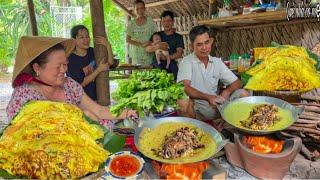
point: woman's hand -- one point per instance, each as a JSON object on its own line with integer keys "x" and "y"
{"x": 145, "y": 44}
{"x": 128, "y": 113}
{"x": 163, "y": 45}
{"x": 102, "y": 41}
{"x": 103, "y": 65}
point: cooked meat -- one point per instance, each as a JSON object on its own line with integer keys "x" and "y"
{"x": 182, "y": 142}
{"x": 262, "y": 117}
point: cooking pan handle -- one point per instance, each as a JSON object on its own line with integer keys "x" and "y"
{"x": 239, "y": 94}
{"x": 223, "y": 143}
{"x": 300, "y": 110}
{"x": 220, "y": 107}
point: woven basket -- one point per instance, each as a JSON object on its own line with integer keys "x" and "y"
{"x": 289, "y": 96}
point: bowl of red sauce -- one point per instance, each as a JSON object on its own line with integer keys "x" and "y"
{"x": 124, "y": 165}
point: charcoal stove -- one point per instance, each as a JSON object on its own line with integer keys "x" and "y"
{"x": 265, "y": 166}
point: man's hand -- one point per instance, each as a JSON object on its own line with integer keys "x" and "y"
{"x": 225, "y": 94}
{"x": 214, "y": 100}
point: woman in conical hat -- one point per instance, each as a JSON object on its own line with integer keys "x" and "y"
{"x": 39, "y": 74}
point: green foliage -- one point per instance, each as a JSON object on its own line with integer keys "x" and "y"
{"x": 14, "y": 23}
{"x": 111, "y": 142}
{"x": 147, "y": 90}
{"x": 4, "y": 174}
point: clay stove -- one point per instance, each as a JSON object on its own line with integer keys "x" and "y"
{"x": 262, "y": 165}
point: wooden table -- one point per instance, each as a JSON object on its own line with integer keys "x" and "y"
{"x": 125, "y": 71}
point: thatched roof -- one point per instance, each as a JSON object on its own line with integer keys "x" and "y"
{"x": 179, "y": 7}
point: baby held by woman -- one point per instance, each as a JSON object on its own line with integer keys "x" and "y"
{"x": 156, "y": 39}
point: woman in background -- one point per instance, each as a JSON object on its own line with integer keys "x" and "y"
{"x": 139, "y": 31}
{"x": 82, "y": 67}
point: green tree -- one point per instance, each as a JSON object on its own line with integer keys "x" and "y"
{"x": 14, "y": 23}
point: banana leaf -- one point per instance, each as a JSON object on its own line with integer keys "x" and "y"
{"x": 244, "y": 78}
{"x": 315, "y": 57}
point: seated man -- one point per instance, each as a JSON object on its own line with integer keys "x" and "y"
{"x": 200, "y": 74}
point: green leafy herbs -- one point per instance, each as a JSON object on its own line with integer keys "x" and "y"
{"x": 147, "y": 91}
{"x": 110, "y": 141}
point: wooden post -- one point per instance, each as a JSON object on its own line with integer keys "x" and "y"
{"x": 32, "y": 17}
{"x": 100, "y": 52}
{"x": 127, "y": 58}
{"x": 213, "y": 9}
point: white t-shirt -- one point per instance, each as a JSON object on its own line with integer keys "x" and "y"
{"x": 204, "y": 79}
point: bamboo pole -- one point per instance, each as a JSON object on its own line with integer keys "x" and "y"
{"x": 100, "y": 52}
{"x": 32, "y": 17}
{"x": 128, "y": 11}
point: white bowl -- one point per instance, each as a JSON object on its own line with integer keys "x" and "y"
{"x": 112, "y": 175}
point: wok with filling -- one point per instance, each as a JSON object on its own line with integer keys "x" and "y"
{"x": 176, "y": 142}
{"x": 259, "y": 114}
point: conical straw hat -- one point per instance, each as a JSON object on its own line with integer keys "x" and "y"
{"x": 31, "y": 47}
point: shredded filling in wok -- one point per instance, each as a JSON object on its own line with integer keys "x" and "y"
{"x": 262, "y": 117}
{"x": 176, "y": 142}
{"x": 181, "y": 143}
{"x": 258, "y": 116}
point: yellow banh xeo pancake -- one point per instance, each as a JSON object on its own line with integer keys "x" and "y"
{"x": 154, "y": 138}
{"x": 50, "y": 140}
{"x": 240, "y": 111}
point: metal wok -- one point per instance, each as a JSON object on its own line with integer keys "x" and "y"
{"x": 260, "y": 100}
{"x": 203, "y": 126}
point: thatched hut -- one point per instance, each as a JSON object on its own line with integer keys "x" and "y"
{"x": 236, "y": 34}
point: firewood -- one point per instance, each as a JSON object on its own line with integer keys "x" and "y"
{"x": 305, "y": 130}
{"x": 286, "y": 134}
{"x": 309, "y": 140}
{"x": 303, "y": 116}
{"x": 306, "y": 121}
{"x": 305, "y": 104}
{"x": 301, "y": 134}
{"x": 315, "y": 137}
{"x": 312, "y": 145}
{"x": 306, "y": 153}
{"x": 313, "y": 114}
{"x": 311, "y": 125}
{"x": 312, "y": 108}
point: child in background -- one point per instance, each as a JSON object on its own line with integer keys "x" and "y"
{"x": 156, "y": 39}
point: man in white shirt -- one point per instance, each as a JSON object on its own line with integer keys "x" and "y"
{"x": 200, "y": 74}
